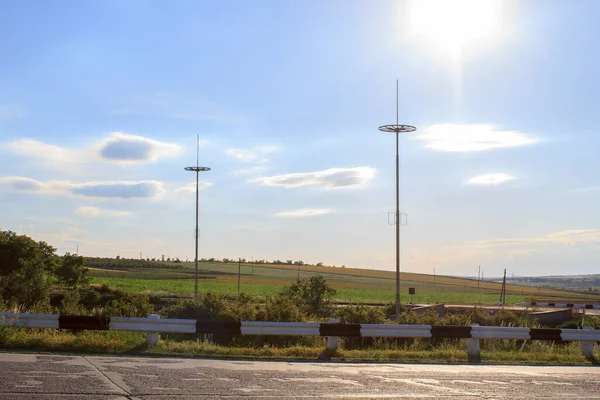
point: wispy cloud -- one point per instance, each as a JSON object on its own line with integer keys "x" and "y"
{"x": 254, "y": 154}
{"x": 191, "y": 187}
{"x": 490, "y": 179}
{"x": 92, "y": 212}
{"x": 334, "y": 178}
{"x": 10, "y": 111}
{"x": 259, "y": 169}
{"x": 103, "y": 190}
{"x": 306, "y": 212}
{"x": 124, "y": 148}
{"x": 588, "y": 189}
{"x": 475, "y": 137}
{"x": 566, "y": 237}
{"x": 44, "y": 151}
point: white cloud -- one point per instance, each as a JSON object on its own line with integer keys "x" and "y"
{"x": 43, "y": 151}
{"x": 334, "y": 178}
{"x": 118, "y": 189}
{"x": 490, "y": 179}
{"x": 475, "y": 137}
{"x": 124, "y": 148}
{"x": 91, "y": 212}
{"x": 304, "y": 212}
{"x": 22, "y": 184}
{"x": 106, "y": 189}
{"x": 254, "y": 154}
{"x": 118, "y": 148}
{"x": 191, "y": 187}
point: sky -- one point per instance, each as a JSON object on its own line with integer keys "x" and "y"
{"x": 101, "y": 104}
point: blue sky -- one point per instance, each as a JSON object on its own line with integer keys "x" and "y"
{"x": 101, "y": 102}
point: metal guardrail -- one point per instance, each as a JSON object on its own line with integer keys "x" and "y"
{"x": 395, "y": 330}
{"x": 499, "y": 332}
{"x": 280, "y": 328}
{"x": 29, "y": 320}
{"x": 588, "y": 306}
{"x": 153, "y": 325}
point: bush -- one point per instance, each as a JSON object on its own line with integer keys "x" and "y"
{"x": 72, "y": 271}
{"x": 360, "y": 315}
{"x": 280, "y": 309}
{"x": 70, "y": 304}
{"x": 312, "y": 295}
{"x": 129, "y": 305}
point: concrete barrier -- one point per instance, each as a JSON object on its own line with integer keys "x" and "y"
{"x": 440, "y": 309}
{"x": 553, "y": 317}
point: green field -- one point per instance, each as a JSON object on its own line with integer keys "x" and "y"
{"x": 355, "y": 295}
{"x": 352, "y": 284}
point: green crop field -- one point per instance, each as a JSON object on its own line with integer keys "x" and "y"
{"x": 354, "y": 295}
{"x": 352, "y": 284}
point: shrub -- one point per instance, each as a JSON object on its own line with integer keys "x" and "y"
{"x": 280, "y": 309}
{"x": 312, "y": 295}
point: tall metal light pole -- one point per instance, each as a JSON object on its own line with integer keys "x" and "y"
{"x": 197, "y": 169}
{"x": 397, "y": 129}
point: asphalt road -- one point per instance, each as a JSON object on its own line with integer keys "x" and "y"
{"x": 52, "y": 377}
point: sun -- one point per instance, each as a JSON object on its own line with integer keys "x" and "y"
{"x": 452, "y": 25}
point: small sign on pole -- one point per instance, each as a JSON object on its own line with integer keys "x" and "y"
{"x": 411, "y": 291}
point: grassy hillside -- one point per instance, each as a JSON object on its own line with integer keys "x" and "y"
{"x": 352, "y": 284}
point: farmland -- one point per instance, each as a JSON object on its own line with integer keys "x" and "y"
{"x": 352, "y": 284}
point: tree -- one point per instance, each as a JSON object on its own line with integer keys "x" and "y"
{"x": 312, "y": 295}
{"x": 319, "y": 264}
{"x": 72, "y": 270}
{"x": 26, "y": 268}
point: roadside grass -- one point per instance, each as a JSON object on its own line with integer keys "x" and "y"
{"x": 134, "y": 343}
{"x": 85, "y": 341}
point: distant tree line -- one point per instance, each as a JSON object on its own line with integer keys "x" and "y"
{"x": 134, "y": 263}
{"x": 119, "y": 262}
{"x": 259, "y": 261}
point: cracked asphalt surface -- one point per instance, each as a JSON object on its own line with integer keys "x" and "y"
{"x": 52, "y": 377}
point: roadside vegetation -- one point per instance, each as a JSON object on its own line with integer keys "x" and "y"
{"x": 34, "y": 279}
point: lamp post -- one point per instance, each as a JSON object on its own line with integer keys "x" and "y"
{"x": 197, "y": 169}
{"x": 397, "y": 129}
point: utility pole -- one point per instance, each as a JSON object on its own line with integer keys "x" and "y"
{"x": 197, "y": 169}
{"x": 478, "y": 277}
{"x": 239, "y": 273}
{"x": 503, "y": 290}
{"x": 397, "y": 129}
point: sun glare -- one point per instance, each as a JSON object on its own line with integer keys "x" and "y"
{"x": 453, "y": 25}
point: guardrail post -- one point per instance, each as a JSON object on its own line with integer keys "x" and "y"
{"x": 473, "y": 353}
{"x": 587, "y": 346}
{"x": 152, "y": 337}
{"x": 333, "y": 341}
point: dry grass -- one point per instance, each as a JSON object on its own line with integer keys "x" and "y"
{"x": 135, "y": 343}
